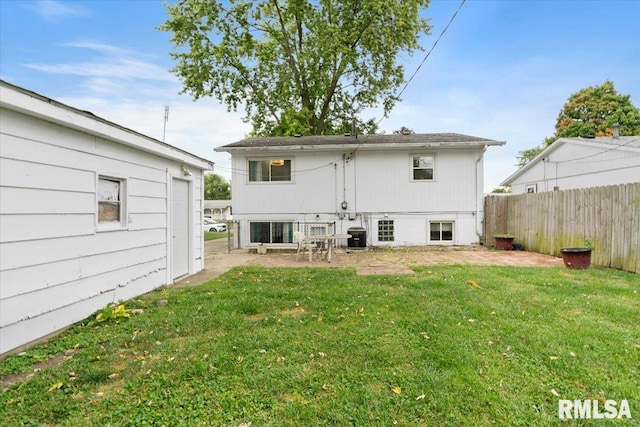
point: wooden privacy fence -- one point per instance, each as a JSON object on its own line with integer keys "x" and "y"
{"x": 608, "y": 218}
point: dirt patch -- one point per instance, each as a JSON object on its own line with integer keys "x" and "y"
{"x": 219, "y": 260}
{"x": 11, "y": 379}
{"x": 400, "y": 261}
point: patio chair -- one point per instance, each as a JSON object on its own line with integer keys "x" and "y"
{"x": 304, "y": 244}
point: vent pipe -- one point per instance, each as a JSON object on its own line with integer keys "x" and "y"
{"x": 616, "y": 130}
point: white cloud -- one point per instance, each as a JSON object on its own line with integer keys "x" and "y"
{"x": 53, "y": 11}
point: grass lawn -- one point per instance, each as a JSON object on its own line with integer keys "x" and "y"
{"x": 214, "y": 235}
{"x": 317, "y": 347}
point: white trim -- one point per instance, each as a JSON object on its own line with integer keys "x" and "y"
{"x": 412, "y": 168}
{"x": 123, "y": 225}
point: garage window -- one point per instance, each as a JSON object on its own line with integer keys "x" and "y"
{"x": 111, "y": 202}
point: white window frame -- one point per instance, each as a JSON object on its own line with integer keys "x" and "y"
{"x": 270, "y": 160}
{"x": 122, "y": 201}
{"x": 441, "y": 241}
{"x": 413, "y": 168}
{"x": 531, "y": 188}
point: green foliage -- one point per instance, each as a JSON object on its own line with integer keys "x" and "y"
{"x": 590, "y": 112}
{"x": 297, "y": 67}
{"x": 216, "y": 187}
{"x": 594, "y": 110}
{"x": 112, "y": 311}
{"x": 501, "y": 190}
{"x": 319, "y": 346}
{"x": 526, "y": 156}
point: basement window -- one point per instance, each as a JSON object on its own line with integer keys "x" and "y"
{"x": 111, "y": 202}
{"x": 271, "y": 232}
{"x": 441, "y": 231}
{"x": 385, "y": 230}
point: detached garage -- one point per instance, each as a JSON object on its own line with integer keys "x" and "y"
{"x": 90, "y": 213}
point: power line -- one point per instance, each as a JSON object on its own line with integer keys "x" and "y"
{"x": 453, "y": 17}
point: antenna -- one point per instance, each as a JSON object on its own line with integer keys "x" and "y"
{"x": 166, "y": 119}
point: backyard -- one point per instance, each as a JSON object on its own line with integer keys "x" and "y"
{"x": 447, "y": 345}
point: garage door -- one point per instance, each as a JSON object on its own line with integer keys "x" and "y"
{"x": 180, "y": 228}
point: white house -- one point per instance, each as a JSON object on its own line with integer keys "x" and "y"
{"x": 417, "y": 189}
{"x": 90, "y": 213}
{"x": 218, "y": 209}
{"x": 580, "y": 163}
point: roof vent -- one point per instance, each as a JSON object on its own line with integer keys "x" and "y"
{"x": 616, "y": 130}
{"x": 347, "y": 134}
{"x": 297, "y": 135}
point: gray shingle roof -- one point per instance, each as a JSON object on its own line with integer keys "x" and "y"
{"x": 318, "y": 141}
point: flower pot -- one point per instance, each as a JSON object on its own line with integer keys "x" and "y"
{"x": 576, "y": 257}
{"x": 504, "y": 243}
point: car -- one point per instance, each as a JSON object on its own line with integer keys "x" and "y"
{"x": 211, "y": 225}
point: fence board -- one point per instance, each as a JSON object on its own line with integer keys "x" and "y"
{"x": 608, "y": 217}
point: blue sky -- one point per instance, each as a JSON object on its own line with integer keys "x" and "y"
{"x": 502, "y": 71}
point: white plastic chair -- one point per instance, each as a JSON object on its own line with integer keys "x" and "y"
{"x": 304, "y": 244}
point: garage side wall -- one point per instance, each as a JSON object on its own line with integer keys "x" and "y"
{"x": 57, "y": 264}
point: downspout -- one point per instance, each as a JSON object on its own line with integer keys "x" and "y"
{"x": 479, "y": 191}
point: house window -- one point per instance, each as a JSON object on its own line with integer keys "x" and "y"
{"x": 271, "y": 232}
{"x": 269, "y": 170}
{"x": 441, "y": 231}
{"x": 385, "y": 230}
{"x": 111, "y": 202}
{"x": 422, "y": 167}
{"x": 532, "y": 188}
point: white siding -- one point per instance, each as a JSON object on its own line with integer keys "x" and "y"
{"x": 56, "y": 267}
{"x": 581, "y": 165}
{"x": 373, "y": 183}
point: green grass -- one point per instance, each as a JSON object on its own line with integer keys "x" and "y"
{"x": 317, "y": 347}
{"x": 214, "y": 235}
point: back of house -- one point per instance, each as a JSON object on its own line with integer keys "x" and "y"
{"x": 391, "y": 190}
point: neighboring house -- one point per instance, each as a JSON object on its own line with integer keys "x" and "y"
{"x": 401, "y": 189}
{"x": 580, "y": 163}
{"x": 90, "y": 213}
{"x": 218, "y": 209}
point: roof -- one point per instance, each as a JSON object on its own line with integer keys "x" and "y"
{"x": 221, "y": 204}
{"x": 605, "y": 144}
{"x": 330, "y": 142}
{"x": 32, "y": 104}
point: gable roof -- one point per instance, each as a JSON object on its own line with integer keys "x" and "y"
{"x": 32, "y": 104}
{"x": 604, "y": 144}
{"x": 341, "y": 142}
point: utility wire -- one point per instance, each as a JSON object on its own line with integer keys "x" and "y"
{"x": 453, "y": 17}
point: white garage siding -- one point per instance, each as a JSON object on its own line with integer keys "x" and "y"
{"x": 57, "y": 263}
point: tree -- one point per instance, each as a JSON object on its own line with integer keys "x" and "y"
{"x": 298, "y": 66}
{"x": 594, "y": 110}
{"x": 216, "y": 187}
{"x": 590, "y": 112}
{"x": 501, "y": 190}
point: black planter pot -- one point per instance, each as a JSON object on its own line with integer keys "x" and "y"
{"x": 578, "y": 258}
